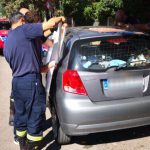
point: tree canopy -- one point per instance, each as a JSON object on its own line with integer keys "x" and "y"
{"x": 11, "y": 5}
{"x": 84, "y": 12}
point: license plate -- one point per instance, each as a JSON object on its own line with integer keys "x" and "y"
{"x": 105, "y": 84}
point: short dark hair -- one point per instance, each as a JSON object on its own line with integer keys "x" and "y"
{"x": 24, "y": 5}
{"x": 15, "y": 17}
{"x": 32, "y": 17}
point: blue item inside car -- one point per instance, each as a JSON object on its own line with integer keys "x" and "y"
{"x": 116, "y": 62}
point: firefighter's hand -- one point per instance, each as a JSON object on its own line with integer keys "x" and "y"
{"x": 47, "y": 67}
{"x": 53, "y": 22}
{"x": 52, "y": 64}
{"x": 57, "y": 20}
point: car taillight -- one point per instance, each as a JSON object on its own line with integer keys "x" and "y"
{"x": 72, "y": 83}
{"x": 1, "y": 44}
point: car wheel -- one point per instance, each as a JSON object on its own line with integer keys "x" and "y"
{"x": 59, "y": 136}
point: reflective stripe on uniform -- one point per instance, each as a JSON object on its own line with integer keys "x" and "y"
{"x": 21, "y": 133}
{"x": 34, "y": 138}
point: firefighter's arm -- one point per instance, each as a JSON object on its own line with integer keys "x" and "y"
{"x": 47, "y": 33}
{"x": 143, "y": 27}
{"x": 140, "y": 27}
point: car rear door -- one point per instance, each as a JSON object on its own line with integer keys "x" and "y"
{"x": 114, "y": 68}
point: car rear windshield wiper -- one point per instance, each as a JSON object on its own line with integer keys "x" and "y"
{"x": 137, "y": 63}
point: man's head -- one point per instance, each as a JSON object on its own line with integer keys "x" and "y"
{"x": 30, "y": 16}
{"x": 24, "y": 10}
{"x": 16, "y": 18}
{"x": 121, "y": 16}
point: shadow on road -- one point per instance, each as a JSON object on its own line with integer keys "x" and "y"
{"x": 113, "y": 136}
{"x": 47, "y": 124}
{"x": 48, "y": 139}
{"x": 98, "y": 138}
{"x": 53, "y": 146}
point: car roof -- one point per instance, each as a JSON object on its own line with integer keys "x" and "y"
{"x": 93, "y": 32}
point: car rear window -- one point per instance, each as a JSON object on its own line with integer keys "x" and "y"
{"x": 5, "y": 25}
{"x": 112, "y": 52}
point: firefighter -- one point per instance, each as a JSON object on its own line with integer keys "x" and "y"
{"x": 30, "y": 17}
{"x": 23, "y": 55}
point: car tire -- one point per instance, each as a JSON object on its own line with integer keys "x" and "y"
{"x": 59, "y": 136}
{"x": 62, "y": 138}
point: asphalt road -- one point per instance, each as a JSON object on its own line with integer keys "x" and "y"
{"x": 129, "y": 139}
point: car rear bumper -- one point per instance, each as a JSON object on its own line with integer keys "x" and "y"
{"x": 74, "y": 130}
{"x": 81, "y": 116}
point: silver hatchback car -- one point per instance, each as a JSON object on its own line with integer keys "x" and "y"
{"x": 101, "y": 83}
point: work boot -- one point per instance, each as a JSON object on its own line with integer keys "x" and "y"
{"x": 12, "y": 112}
{"x": 33, "y": 145}
{"x": 22, "y": 143}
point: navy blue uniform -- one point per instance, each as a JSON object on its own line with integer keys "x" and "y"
{"x": 23, "y": 52}
{"x": 21, "y": 49}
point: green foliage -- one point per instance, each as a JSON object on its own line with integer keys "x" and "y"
{"x": 89, "y": 15}
{"x": 75, "y": 9}
{"x": 2, "y": 10}
{"x": 102, "y": 9}
{"x": 12, "y": 5}
{"x": 106, "y": 8}
{"x": 85, "y": 12}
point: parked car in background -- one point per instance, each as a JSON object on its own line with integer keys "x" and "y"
{"x": 101, "y": 82}
{"x": 4, "y": 28}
